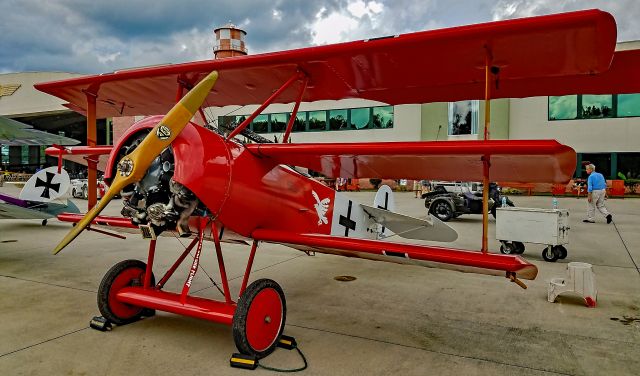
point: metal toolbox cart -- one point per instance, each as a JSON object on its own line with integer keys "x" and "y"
{"x": 515, "y": 226}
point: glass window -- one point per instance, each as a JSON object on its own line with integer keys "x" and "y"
{"x": 239, "y": 120}
{"x": 360, "y": 118}
{"x": 4, "y": 152}
{"x": 383, "y": 117}
{"x": 602, "y": 161}
{"x": 628, "y": 105}
{"x": 278, "y": 122}
{"x": 338, "y": 120}
{"x": 24, "y": 154}
{"x": 629, "y": 165}
{"x": 260, "y": 124}
{"x": 225, "y": 33}
{"x": 563, "y": 108}
{"x": 317, "y": 120}
{"x": 463, "y": 118}
{"x": 300, "y": 124}
{"x": 597, "y": 106}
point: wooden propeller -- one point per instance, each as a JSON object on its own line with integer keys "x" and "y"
{"x": 133, "y": 166}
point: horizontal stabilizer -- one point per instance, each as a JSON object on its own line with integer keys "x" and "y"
{"x": 412, "y": 228}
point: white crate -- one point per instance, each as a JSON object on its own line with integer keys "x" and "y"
{"x": 532, "y": 225}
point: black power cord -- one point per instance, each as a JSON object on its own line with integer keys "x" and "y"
{"x": 288, "y": 370}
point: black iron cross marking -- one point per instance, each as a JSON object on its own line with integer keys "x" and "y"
{"x": 47, "y": 185}
{"x": 347, "y": 222}
{"x": 386, "y": 205}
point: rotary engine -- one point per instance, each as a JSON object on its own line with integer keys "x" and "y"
{"x": 157, "y": 199}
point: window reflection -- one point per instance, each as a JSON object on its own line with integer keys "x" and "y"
{"x": 278, "y": 122}
{"x": 300, "y": 124}
{"x": 463, "y": 118}
{"x": 338, "y": 120}
{"x": 628, "y": 105}
{"x": 383, "y": 117}
{"x": 317, "y": 120}
{"x": 596, "y": 106}
{"x": 260, "y": 124}
{"x": 360, "y": 118}
{"x": 563, "y": 108}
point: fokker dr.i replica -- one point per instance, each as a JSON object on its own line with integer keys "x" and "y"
{"x": 179, "y": 176}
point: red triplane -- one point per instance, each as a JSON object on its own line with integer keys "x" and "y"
{"x": 206, "y": 182}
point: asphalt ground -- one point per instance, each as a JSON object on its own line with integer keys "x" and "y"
{"x": 393, "y": 319}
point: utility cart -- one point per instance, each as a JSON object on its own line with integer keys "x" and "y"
{"x": 516, "y": 226}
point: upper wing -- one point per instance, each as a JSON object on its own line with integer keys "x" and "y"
{"x": 428, "y": 66}
{"x": 511, "y": 160}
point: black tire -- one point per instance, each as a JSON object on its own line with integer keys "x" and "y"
{"x": 519, "y": 247}
{"x": 507, "y": 248}
{"x": 442, "y": 210}
{"x": 549, "y": 254}
{"x": 562, "y": 251}
{"x": 261, "y": 289}
{"x": 116, "y": 312}
{"x": 73, "y": 193}
{"x": 44, "y": 222}
{"x": 85, "y": 194}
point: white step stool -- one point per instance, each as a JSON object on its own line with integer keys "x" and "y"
{"x": 580, "y": 279}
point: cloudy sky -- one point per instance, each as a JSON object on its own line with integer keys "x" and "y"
{"x": 93, "y": 36}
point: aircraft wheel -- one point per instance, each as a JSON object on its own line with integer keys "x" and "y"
{"x": 44, "y": 222}
{"x": 85, "y": 194}
{"x": 123, "y": 274}
{"x": 550, "y": 254}
{"x": 259, "y": 318}
{"x": 73, "y": 192}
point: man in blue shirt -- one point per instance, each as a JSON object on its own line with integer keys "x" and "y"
{"x": 596, "y": 192}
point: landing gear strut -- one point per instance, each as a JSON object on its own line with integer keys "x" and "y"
{"x": 128, "y": 292}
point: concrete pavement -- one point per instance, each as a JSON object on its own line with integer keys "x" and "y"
{"x": 393, "y": 319}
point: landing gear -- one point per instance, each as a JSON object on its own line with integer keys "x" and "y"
{"x": 259, "y": 318}
{"x": 128, "y": 291}
{"x": 123, "y": 274}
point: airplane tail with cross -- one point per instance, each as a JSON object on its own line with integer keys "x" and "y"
{"x": 356, "y": 220}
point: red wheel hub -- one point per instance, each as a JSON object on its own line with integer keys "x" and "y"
{"x": 124, "y": 279}
{"x": 264, "y": 319}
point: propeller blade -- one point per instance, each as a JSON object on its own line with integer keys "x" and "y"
{"x": 133, "y": 166}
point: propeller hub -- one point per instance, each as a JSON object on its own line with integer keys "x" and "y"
{"x": 125, "y": 166}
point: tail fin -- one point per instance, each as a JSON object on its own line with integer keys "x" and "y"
{"x": 384, "y": 200}
{"x": 46, "y": 185}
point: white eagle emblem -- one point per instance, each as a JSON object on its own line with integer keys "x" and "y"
{"x": 322, "y": 206}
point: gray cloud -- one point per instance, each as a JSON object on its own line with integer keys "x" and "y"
{"x": 94, "y": 36}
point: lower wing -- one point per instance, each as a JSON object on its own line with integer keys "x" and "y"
{"x": 430, "y": 256}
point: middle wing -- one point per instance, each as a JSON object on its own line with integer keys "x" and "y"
{"x": 530, "y": 161}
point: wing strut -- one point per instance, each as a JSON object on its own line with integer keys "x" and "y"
{"x": 296, "y": 76}
{"x": 92, "y": 162}
{"x": 294, "y": 113}
{"x": 486, "y": 159}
